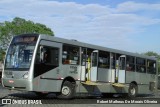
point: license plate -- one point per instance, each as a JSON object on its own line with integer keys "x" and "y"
{"x": 11, "y": 81}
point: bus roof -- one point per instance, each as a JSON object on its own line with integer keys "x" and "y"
{"x": 82, "y": 44}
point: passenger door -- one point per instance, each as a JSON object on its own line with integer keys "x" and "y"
{"x": 46, "y": 67}
{"x": 122, "y": 69}
{"x": 89, "y": 64}
{"x": 94, "y": 65}
{"x": 51, "y": 58}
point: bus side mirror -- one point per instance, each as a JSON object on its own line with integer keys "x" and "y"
{"x": 41, "y": 54}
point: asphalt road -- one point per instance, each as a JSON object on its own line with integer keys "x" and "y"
{"x": 28, "y": 99}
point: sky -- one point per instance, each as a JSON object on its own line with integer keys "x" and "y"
{"x": 129, "y": 25}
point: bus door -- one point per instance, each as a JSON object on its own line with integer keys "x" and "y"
{"x": 83, "y": 64}
{"x": 94, "y": 65}
{"x": 121, "y": 69}
{"x": 89, "y": 64}
{"x": 47, "y": 63}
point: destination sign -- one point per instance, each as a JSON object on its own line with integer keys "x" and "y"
{"x": 25, "y": 39}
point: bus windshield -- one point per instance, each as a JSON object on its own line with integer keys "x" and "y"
{"x": 20, "y": 53}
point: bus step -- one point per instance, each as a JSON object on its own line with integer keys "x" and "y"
{"x": 90, "y": 83}
{"x": 118, "y": 85}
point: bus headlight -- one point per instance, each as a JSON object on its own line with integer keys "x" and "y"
{"x": 25, "y": 76}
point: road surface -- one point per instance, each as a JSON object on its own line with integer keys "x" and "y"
{"x": 30, "y": 99}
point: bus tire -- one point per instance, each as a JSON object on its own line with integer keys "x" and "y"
{"x": 132, "y": 90}
{"x": 67, "y": 90}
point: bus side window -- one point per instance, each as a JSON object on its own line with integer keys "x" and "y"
{"x": 47, "y": 61}
{"x": 130, "y": 63}
{"x": 70, "y": 54}
{"x": 113, "y": 60}
{"x": 141, "y": 65}
{"x": 104, "y": 59}
{"x": 151, "y": 67}
{"x": 83, "y": 56}
{"x": 47, "y": 55}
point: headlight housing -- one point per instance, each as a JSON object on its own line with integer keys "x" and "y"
{"x": 25, "y": 76}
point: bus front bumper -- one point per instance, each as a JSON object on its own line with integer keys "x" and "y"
{"x": 17, "y": 84}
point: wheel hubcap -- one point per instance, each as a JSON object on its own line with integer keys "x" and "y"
{"x": 65, "y": 90}
{"x": 133, "y": 91}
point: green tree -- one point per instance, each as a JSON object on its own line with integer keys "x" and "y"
{"x": 16, "y": 27}
{"x": 151, "y": 53}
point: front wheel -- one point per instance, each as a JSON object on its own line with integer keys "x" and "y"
{"x": 133, "y": 90}
{"x": 67, "y": 90}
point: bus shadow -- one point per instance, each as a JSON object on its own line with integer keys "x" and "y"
{"x": 31, "y": 95}
{"x": 51, "y": 96}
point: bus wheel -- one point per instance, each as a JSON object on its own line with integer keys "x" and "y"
{"x": 133, "y": 90}
{"x": 67, "y": 90}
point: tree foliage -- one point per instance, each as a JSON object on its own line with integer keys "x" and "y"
{"x": 19, "y": 26}
{"x": 151, "y": 53}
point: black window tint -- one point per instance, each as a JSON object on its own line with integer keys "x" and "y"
{"x": 113, "y": 60}
{"x": 94, "y": 59}
{"x": 51, "y": 56}
{"x": 141, "y": 65}
{"x": 122, "y": 63}
{"x": 70, "y": 54}
{"x": 84, "y": 56}
{"x": 151, "y": 67}
{"x": 51, "y": 60}
{"x": 130, "y": 63}
{"x": 104, "y": 59}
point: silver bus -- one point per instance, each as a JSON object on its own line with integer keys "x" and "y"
{"x": 44, "y": 64}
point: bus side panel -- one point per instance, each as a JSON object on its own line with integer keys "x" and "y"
{"x": 48, "y": 81}
{"x": 151, "y": 77}
{"x": 130, "y": 76}
{"x": 46, "y": 85}
{"x": 153, "y": 82}
{"x": 144, "y": 81}
{"x": 141, "y": 78}
{"x": 104, "y": 75}
{"x": 73, "y": 71}
{"x": 143, "y": 89}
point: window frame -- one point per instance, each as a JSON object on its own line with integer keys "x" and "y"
{"x": 131, "y": 63}
{"x": 140, "y": 65}
{"x": 103, "y": 56}
{"x": 154, "y": 68}
{"x": 67, "y": 62}
{"x": 48, "y": 63}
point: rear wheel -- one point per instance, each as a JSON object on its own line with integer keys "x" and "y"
{"x": 133, "y": 90}
{"x": 67, "y": 90}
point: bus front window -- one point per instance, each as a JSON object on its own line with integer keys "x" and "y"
{"x": 19, "y": 56}
{"x": 20, "y": 52}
